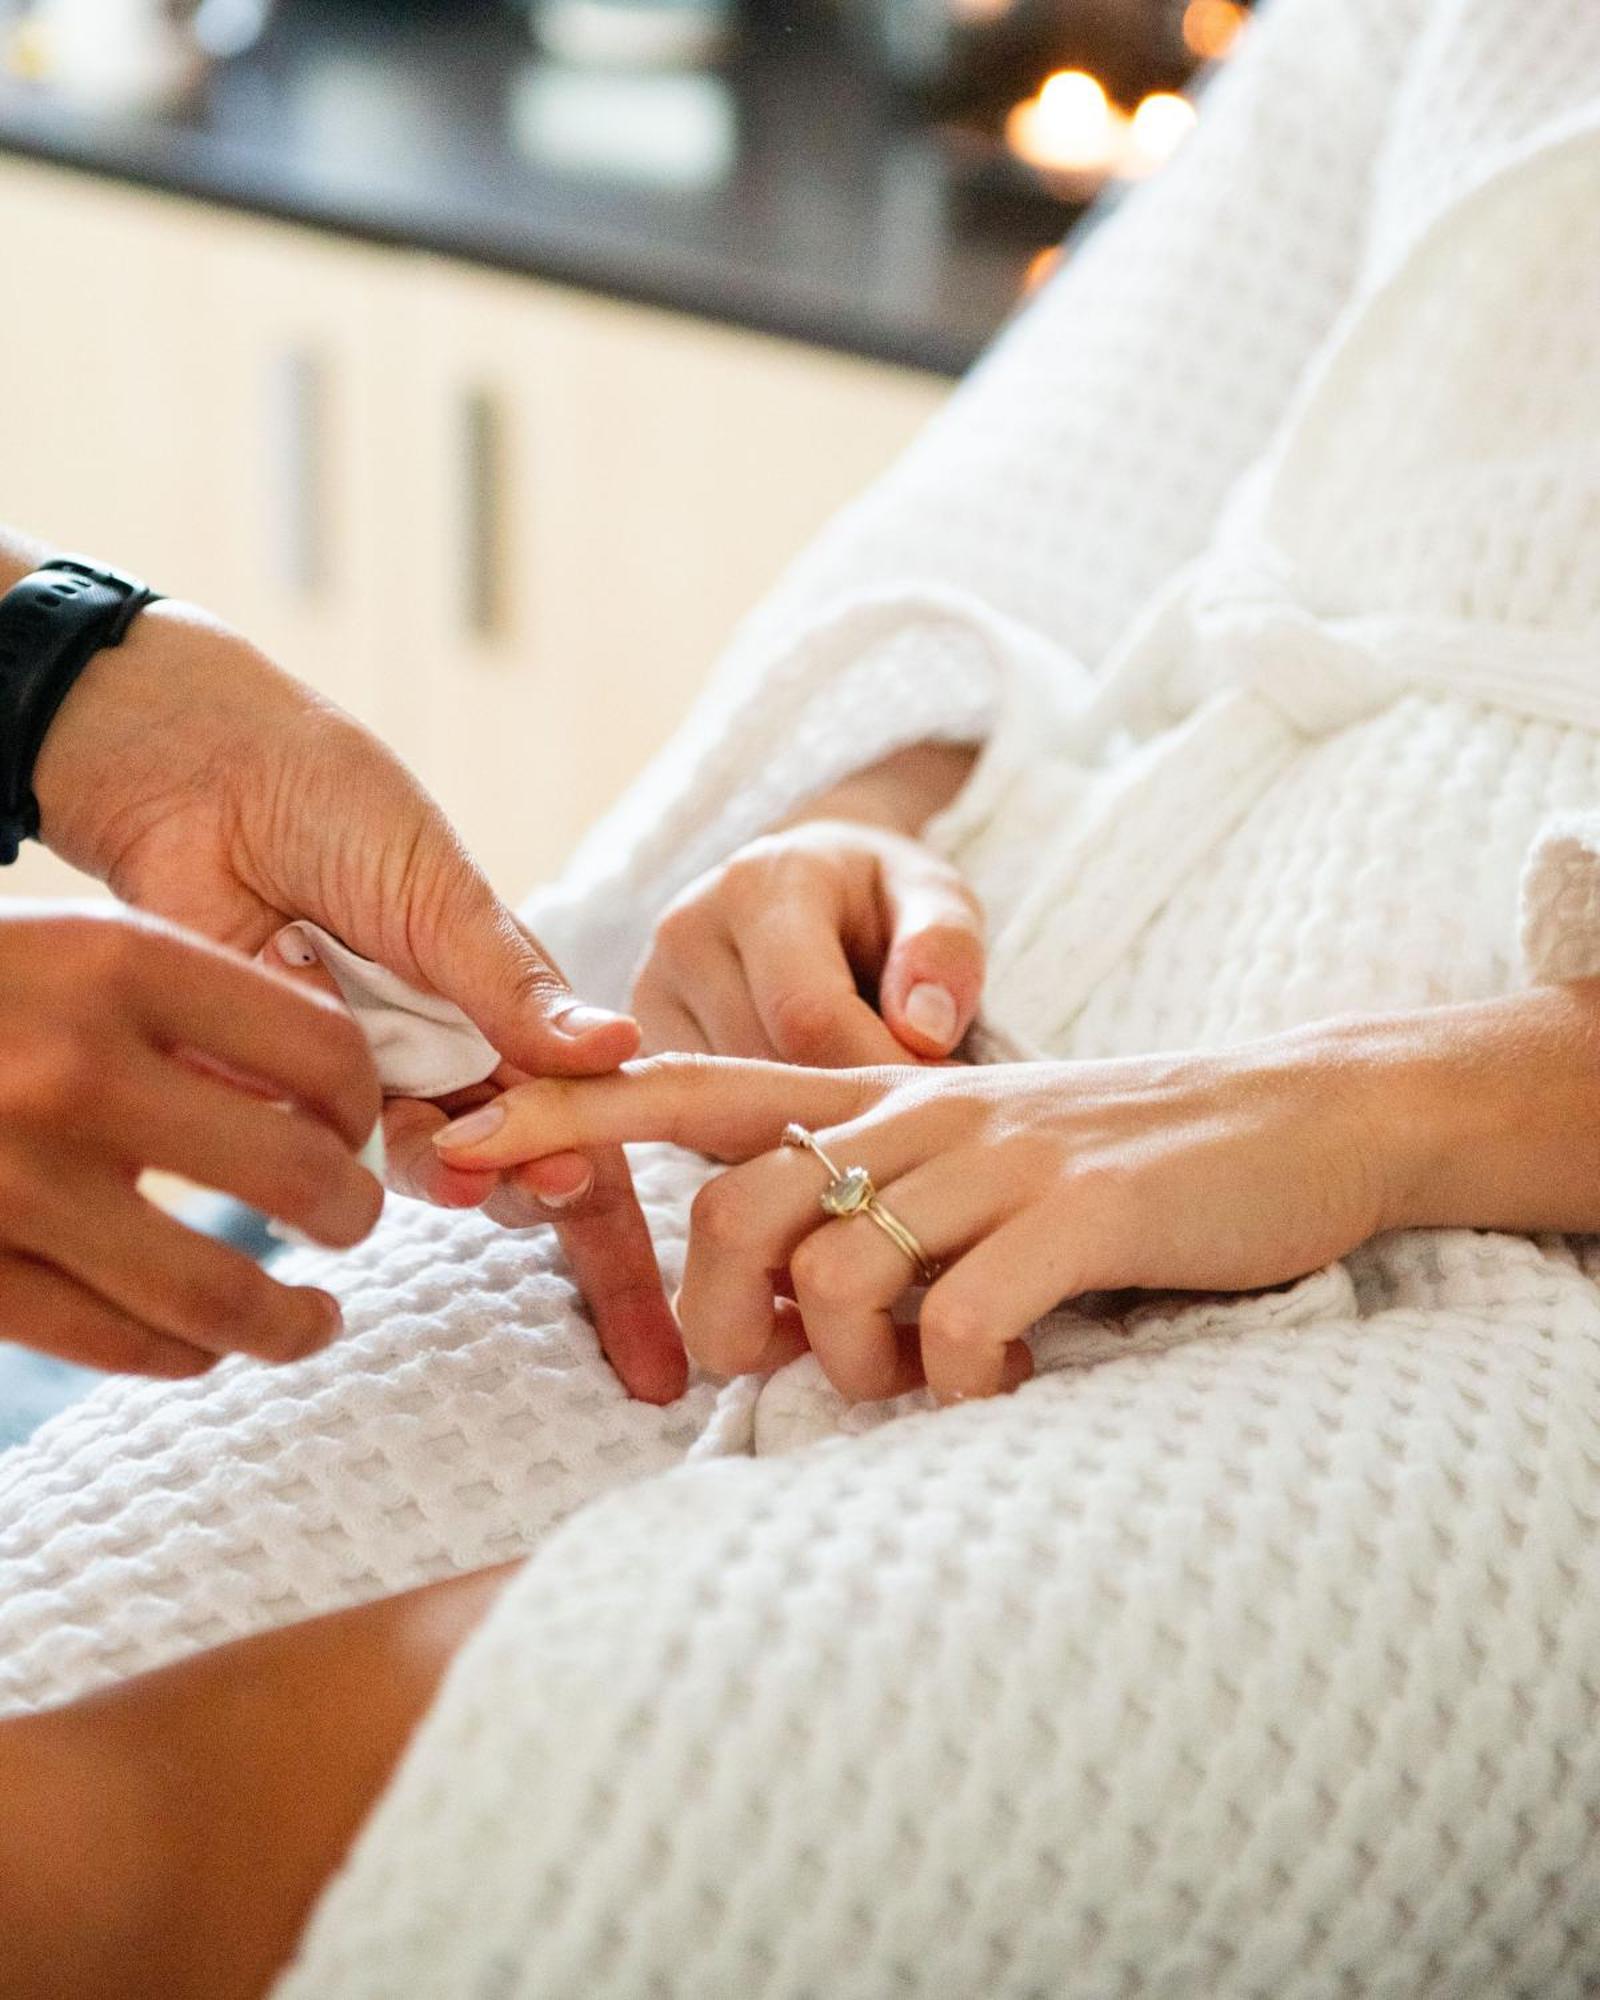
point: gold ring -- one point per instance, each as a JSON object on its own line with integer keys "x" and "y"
{"x": 850, "y": 1192}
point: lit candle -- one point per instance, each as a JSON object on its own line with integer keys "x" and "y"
{"x": 1155, "y": 132}
{"x": 1071, "y": 132}
{"x": 1074, "y": 136}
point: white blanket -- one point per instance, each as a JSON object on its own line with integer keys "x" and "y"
{"x": 1257, "y": 1654}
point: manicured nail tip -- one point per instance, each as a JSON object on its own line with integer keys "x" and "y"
{"x": 473, "y": 1129}
{"x": 579, "y": 1020}
{"x": 932, "y": 1012}
{"x": 568, "y": 1198}
{"x": 293, "y": 948}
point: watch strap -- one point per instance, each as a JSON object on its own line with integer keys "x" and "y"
{"x": 52, "y": 624}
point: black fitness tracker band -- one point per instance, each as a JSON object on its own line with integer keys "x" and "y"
{"x": 52, "y": 624}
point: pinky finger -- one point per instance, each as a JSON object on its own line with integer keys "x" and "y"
{"x": 975, "y": 1317}
{"x": 42, "y": 1308}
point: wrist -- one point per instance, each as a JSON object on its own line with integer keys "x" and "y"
{"x": 899, "y": 794}
{"x": 1484, "y": 1115}
{"x": 144, "y": 720}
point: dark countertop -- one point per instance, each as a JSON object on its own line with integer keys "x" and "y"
{"x": 782, "y": 193}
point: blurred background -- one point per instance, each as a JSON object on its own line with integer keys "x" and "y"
{"x": 486, "y": 359}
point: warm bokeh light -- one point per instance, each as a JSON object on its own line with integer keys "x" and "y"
{"x": 1042, "y": 265}
{"x": 1155, "y": 132}
{"x": 1071, "y": 127}
{"x": 1211, "y": 27}
{"x": 1074, "y": 135}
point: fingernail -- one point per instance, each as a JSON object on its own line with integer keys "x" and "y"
{"x": 293, "y": 948}
{"x": 932, "y": 1012}
{"x": 579, "y": 1020}
{"x": 567, "y": 1197}
{"x": 480, "y": 1124}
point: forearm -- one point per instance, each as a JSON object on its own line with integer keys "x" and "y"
{"x": 901, "y": 793}
{"x": 1483, "y": 1116}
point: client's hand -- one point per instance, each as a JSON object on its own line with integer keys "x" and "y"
{"x": 124, "y": 1045}
{"x": 770, "y": 953}
{"x": 206, "y": 785}
{"x": 1023, "y": 1184}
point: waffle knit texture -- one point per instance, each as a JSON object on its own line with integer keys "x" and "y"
{"x": 1254, "y": 1647}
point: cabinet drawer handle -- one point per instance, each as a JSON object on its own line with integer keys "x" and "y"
{"x": 483, "y": 573}
{"x": 297, "y": 406}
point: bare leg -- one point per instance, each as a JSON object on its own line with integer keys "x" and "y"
{"x": 170, "y": 1835}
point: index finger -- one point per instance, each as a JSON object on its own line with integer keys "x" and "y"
{"x": 804, "y": 990}
{"x": 718, "y": 1105}
{"x": 607, "y": 1243}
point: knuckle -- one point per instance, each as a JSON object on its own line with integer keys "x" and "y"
{"x": 804, "y": 1024}
{"x": 952, "y": 1322}
{"x": 219, "y": 1298}
{"x": 112, "y": 952}
{"x": 826, "y": 1273}
{"x": 535, "y": 985}
{"x": 59, "y": 1074}
{"x": 301, "y": 1181}
{"x": 682, "y": 926}
{"x": 950, "y": 943}
{"x": 722, "y": 1215}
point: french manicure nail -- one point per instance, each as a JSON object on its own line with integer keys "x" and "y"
{"x": 293, "y": 948}
{"x": 932, "y": 1012}
{"x": 480, "y": 1124}
{"x": 567, "y": 1197}
{"x": 579, "y": 1020}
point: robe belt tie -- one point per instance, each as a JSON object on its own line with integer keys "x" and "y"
{"x": 1222, "y": 686}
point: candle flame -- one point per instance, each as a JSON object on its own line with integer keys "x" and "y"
{"x": 1155, "y": 132}
{"x": 1073, "y": 132}
{"x": 1069, "y": 127}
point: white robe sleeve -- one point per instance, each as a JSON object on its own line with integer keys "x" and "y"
{"x": 1561, "y": 900}
{"x": 1082, "y": 463}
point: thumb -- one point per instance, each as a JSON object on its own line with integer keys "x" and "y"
{"x": 932, "y": 975}
{"x": 509, "y": 986}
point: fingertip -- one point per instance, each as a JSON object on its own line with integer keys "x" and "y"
{"x": 642, "y": 1342}
{"x": 594, "y": 1038}
{"x": 931, "y": 1017}
{"x": 561, "y": 1181}
{"x": 1017, "y": 1368}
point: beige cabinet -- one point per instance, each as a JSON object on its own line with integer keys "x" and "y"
{"x": 508, "y": 524}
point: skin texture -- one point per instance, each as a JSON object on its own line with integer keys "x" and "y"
{"x": 837, "y": 940}
{"x": 120, "y": 1043}
{"x": 211, "y": 789}
{"x": 1033, "y": 1183}
{"x": 169, "y": 1836}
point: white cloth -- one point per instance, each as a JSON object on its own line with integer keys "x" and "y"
{"x": 423, "y": 1045}
{"x": 1254, "y": 1655}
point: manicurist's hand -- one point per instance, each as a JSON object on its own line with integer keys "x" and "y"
{"x": 204, "y": 784}
{"x": 123, "y": 1045}
{"x": 1025, "y": 1184}
{"x": 837, "y": 940}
